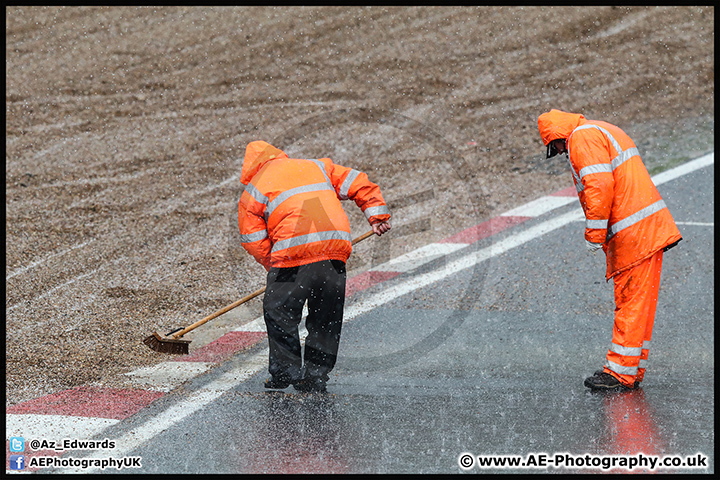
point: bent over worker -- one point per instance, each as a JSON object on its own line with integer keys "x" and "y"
{"x": 291, "y": 221}
{"x": 626, "y": 217}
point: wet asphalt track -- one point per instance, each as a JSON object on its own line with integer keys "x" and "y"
{"x": 488, "y": 362}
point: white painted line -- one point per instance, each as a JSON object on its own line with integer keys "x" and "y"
{"x": 684, "y": 169}
{"x": 179, "y": 411}
{"x": 547, "y": 203}
{"x": 536, "y": 207}
{"x": 468, "y": 261}
{"x": 539, "y": 206}
{"x": 54, "y": 427}
{"x": 257, "y": 325}
{"x": 418, "y": 257}
{"x": 697, "y": 224}
{"x": 168, "y": 375}
{"x": 234, "y": 377}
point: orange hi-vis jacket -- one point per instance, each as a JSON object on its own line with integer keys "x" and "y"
{"x": 623, "y": 209}
{"x": 290, "y": 212}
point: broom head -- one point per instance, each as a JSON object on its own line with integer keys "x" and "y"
{"x": 161, "y": 344}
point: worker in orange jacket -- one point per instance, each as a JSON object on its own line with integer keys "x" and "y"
{"x": 291, "y": 221}
{"x": 626, "y": 217}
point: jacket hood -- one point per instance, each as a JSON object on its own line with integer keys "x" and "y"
{"x": 257, "y": 154}
{"x": 557, "y": 124}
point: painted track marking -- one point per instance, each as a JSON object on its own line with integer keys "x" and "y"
{"x": 92, "y": 426}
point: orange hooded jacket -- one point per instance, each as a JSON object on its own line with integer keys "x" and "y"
{"x": 623, "y": 209}
{"x": 290, "y": 212}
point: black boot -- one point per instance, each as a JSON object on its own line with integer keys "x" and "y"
{"x": 602, "y": 381}
{"x": 277, "y": 383}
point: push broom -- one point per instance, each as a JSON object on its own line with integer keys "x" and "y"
{"x": 174, "y": 343}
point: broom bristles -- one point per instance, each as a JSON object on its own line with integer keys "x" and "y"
{"x": 167, "y": 345}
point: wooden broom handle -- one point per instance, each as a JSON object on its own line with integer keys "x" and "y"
{"x": 242, "y": 300}
{"x": 362, "y": 237}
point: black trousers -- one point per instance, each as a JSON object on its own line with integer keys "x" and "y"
{"x": 322, "y": 285}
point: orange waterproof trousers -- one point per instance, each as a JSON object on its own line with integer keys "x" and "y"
{"x": 636, "y": 294}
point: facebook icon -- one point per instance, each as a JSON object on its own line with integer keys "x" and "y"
{"x": 17, "y": 462}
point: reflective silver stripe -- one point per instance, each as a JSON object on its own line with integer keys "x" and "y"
{"x": 596, "y": 223}
{"x": 636, "y": 217}
{"x": 254, "y": 237}
{"x": 646, "y": 345}
{"x": 597, "y": 168}
{"x": 310, "y": 238}
{"x": 315, "y": 187}
{"x": 643, "y": 364}
{"x": 620, "y": 369}
{"x": 321, "y": 165}
{"x": 625, "y": 351}
{"x": 622, "y": 157}
{"x": 255, "y": 193}
{"x": 578, "y": 182}
{"x": 614, "y": 142}
{"x": 345, "y": 187}
{"x": 381, "y": 210}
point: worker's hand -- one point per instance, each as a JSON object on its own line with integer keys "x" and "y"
{"x": 382, "y": 227}
{"x": 593, "y": 247}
